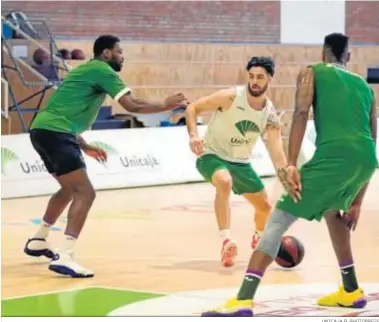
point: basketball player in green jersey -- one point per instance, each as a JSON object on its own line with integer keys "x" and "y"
{"x": 334, "y": 180}
{"x": 55, "y": 135}
{"x": 241, "y": 115}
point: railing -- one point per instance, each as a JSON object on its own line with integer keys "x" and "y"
{"x": 17, "y": 65}
{"x": 4, "y": 98}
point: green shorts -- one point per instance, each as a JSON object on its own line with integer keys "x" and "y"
{"x": 245, "y": 179}
{"x": 327, "y": 184}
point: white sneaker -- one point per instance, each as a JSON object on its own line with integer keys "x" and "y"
{"x": 37, "y": 247}
{"x": 64, "y": 264}
{"x": 229, "y": 253}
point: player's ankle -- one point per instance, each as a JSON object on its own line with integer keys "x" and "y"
{"x": 349, "y": 277}
{"x": 225, "y": 234}
{"x": 43, "y": 231}
{"x": 250, "y": 284}
{"x": 68, "y": 244}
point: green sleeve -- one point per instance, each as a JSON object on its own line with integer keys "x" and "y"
{"x": 109, "y": 81}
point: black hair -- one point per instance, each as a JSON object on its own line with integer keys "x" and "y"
{"x": 337, "y": 43}
{"x": 104, "y": 42}
{"x": 265, "y": 62}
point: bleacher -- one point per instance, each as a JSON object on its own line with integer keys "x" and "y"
{"x": 155, "y": 70}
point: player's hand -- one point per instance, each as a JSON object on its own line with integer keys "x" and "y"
{"x": 351, "y": 217}
{"x": 175, "y": 100}
{"x": 197, "y": 145}
{"x": 96, "y": 153}
{"x": 293, "y": 182}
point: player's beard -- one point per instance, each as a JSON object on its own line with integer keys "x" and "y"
{"x": 115, "y": 65}
{"x": 257, "y": 93}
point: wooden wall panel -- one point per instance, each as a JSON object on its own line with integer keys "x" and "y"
{"x": 155, "y": 70}
{"x": 223, "y": 52}
{"x": 208, "y": 74}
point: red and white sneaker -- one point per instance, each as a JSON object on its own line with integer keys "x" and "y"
{"x": 255, "y": 240}
{"x": 229, "y": 253}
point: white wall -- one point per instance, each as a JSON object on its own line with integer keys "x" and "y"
{"x": 307, "y": 22}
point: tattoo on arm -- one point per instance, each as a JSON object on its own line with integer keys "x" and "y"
{"x": 303, "y": 103}
{"x": 282, "y": 174}
{"x": 304, "y": 92}
{"x": 273, "y": 120}
{"x": 273, "y": 125}
{"x": 224, "y": 101}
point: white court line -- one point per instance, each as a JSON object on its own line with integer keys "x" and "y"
{"x": 45, "y": 293}
{"x": 83, "y": 288}
{"x": 130, "y": 290}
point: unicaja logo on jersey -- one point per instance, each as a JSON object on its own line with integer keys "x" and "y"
{"x": 247, "y": 126}
{"x": 106, "y": 147}
{"x": 7, "y": 155}
{"x": 244, "y": 127}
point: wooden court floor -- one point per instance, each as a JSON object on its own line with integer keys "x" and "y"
{"x": 164, "y": 239}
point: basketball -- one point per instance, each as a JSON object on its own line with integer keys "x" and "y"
{"x": 291, "y": 252}
{"x": 78, "y": 54}
{"x": 40, "y": 56}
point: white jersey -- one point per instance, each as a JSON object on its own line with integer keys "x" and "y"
{"x": 233, "y": 133}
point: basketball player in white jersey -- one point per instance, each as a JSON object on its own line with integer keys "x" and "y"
{"x": 241, "y": 115}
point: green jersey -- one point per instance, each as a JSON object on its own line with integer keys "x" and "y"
{"x": 75, "y": 104}
{"x": 342, "y": 106}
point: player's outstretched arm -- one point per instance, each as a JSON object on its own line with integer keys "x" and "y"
{"x": 274, "y": 142}
{"x": 110, "y": 83}
{"x": 303, "y": 103}
{"x": 142, "y": 106}
{"x": 220, "y": 100}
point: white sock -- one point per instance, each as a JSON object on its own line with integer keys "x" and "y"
{"x": 225, "y": 234}
{"x": 68, "y": 244}
{"x": 43, "y": 230}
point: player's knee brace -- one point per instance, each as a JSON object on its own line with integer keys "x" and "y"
{"x": 278, "y": 224}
